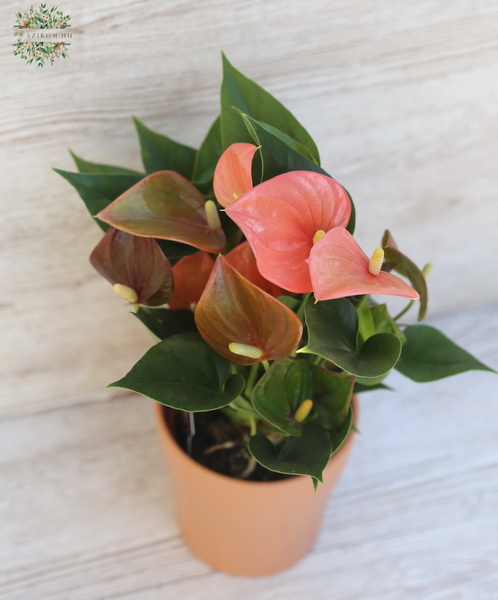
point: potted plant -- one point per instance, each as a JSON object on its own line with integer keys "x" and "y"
{"x": 240, "y": 258}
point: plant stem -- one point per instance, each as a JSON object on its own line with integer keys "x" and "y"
{"x": 251, "y": 379}
{"x": 405, "y": 310}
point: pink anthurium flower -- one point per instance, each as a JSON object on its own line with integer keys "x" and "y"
{"x": 339, "y": 268}
{"x": 242, "y": 258}
{"x": 190, "y": 274}
{"x": 232, "y": 176}
{"x": 283, "y": 218}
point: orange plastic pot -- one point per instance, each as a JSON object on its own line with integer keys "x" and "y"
{"x": 247, "y": 528}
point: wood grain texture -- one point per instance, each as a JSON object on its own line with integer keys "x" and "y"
{"x": 86, "y": 510}
{"x": 403, "y": 103}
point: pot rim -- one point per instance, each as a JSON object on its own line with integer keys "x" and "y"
{"x": 165, "y": 430}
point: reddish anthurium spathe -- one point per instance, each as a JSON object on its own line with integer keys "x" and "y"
{"x": 136, "y": 266}
{"x": 190, "y": 273}
{"x": 283, "y": 217}
{"x": 233, "y": 173}
{"x": 340, "y": 268}
{"x": 165, "y": 205}
{"x": 242, "y": 258}
{"x": 243, "y": 323}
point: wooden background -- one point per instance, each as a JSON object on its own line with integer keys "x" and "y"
{"x": 402, "y": 99}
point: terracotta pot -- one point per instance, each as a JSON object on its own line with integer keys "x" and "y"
{"x": 247, "y": 528}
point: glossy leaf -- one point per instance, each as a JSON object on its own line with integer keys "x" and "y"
{"x": 233, "y": 173}
{"x": 339, "y": 436}
{"x": 340, "y": 268}
{"x": 85, "y": 166}
{"x": 135, "y": 262}
{"x": 98, "y": 190}
{"x": 383, "y": 322}
{"x": 191, "y": 275}
{"x": 165, "y": 205}
{"x": 280, "y": 392}
{"x": 242, "y": 258}
{"x": 238, "y": 93}
{"x": 280, "y": 218}
{"x": 308, "y": 454}
{"x": 207, "y": 157}
{"x": 164, "y": 322}
{"x": 332, "y": 394}
{"x": 332, "y": 331}
{"x": 394, "y": 259}
{"x": 234, "y": 310}
{"x": 429, "y": 355}
{"x": 160, "y": 153}
{"x": 183, "y": 372}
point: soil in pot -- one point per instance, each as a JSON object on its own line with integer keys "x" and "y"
{"x": 220, "y": 445}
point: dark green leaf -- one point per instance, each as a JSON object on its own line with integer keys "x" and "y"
{"x": 333, "y": 329}
{"x": 429, "y": 355}
{"x": 161, "y": 153}
{"x": 331, "y": 397}
{"x": 84, "y": 166}
{"x": 305, "y": 455}
{"x": 98, "y": 190}
{"x": 183, "y": 372}
{"x": 280, "y": 392}
{"x": 207, "y": 158}
{"x": 339, "y": 436}
{"x": 240, "y": 93}
{"x": 163, "y": 322}
{"x": 173, "y": 251}
{"x": 383, "y": 322}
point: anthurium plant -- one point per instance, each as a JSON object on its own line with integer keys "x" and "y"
{"x": 240, "y": 258}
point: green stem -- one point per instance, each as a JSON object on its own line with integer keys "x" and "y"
{"x": 266, "y": 365}
{"x": 251, "y": 379}
{"x": 405, "y": 310}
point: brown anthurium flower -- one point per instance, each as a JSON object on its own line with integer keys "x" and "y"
{"x": 242, "y": 322}
{"x": 136, "y": 266}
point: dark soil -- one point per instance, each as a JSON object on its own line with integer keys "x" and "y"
{"x": 220, "y": 445}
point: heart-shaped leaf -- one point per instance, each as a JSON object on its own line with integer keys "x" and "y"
{"x": 429, "y": 355}
{"x": 305, "y": 455}
{"x": 333, "y": 331}
{"x": 160, "y": 153}
{"x": 137, "y": 263}
{"x": 280, "y": 392}
{"x": 98, "y": 190}
{"x": 232, "y": 310}
{"x": 164, "y": 322}
{"x": 238, "y": 93}
{"x": 332, "y": 394}
{"x": 183, "y": 372}
{"x": 165, "y": 205}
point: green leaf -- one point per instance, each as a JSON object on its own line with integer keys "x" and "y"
{"x": 331, "y": 397}
{"x": 173, "y": 251}
{"x": 98, "y": 190}
{"x": 278, "y": 152}
{"x": 305, "y": 455}
{"x": 339, "y": 436}
{"x": 164, "y": 322}
{"x": 183, "y": 372}
{"x": 161, "y": 153}
{"x": 85, "y": 166}
{"x": 280, "y": 392}
{"x": 207, "y": 157}
{"x": 429, "y": 355}
{"x": 384, "y": 323}
{"x": 333, "y": 330}
{"x": 239, "y": 92}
